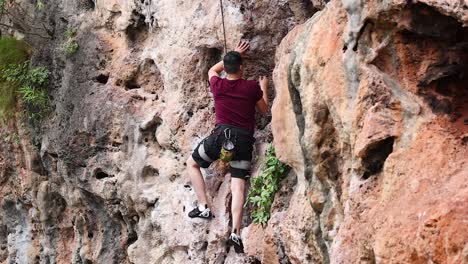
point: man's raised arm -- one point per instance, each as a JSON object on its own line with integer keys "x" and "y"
{"x": 216, "y": 70}
{"x": 262, "y": 104}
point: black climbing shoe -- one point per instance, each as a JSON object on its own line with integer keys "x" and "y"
{"x": 202, "y": 214}
{"x": 236, "y": 241}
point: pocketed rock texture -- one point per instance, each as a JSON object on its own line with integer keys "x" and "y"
{"x": 370, "y": 111}
{"x": 105, "y": 181}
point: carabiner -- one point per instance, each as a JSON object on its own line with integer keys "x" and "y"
{"x": 226, "y": 134}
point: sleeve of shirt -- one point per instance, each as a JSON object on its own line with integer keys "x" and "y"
{"x": 213, "y": 82}
{"x": 258, "y": 92}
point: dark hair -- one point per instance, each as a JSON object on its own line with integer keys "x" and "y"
{"x": 232, "y": 62}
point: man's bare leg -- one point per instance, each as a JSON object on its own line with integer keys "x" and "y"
{"x": 198, "y": 183}
{"x": 237, "y": 191}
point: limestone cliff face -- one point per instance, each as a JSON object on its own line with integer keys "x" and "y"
{"x": 375, "y": 107}
{"x": 107, "y": 183}
{"x": 370, "y": 109}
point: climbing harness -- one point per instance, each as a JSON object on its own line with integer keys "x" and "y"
{"x": 202, "y": 153}
{"x": 224, "y": 28}
{"x": 227, "y": 151}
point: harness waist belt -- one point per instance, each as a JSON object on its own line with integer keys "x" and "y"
{"x": 237, "y": 130}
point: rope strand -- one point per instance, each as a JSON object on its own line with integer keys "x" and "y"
{"x": 224, "y": 28}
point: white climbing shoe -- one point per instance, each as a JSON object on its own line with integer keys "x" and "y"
{"x": 236, "y": 241}
{"x": 206, "y": 213}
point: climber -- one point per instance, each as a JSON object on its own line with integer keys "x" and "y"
{"x": 235, "y": 101}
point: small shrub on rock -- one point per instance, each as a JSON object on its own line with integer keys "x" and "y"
{"x": 12, "y": 52}
{"x": 31, "y": 82}
{"x": 70, "y": 46}
{"x": 264, "y": 186}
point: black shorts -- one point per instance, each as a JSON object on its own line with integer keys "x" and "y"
{"x": 209, "y": 150}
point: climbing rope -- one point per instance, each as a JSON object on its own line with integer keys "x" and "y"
{"x": 224, "y": 28}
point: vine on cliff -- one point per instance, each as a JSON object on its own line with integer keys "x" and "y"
{"x": 264, "y": 186}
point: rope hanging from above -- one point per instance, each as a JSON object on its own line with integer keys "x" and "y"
{"x": 224, "y": 28}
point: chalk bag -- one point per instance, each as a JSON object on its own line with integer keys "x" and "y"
{"x": 227, "y": 151}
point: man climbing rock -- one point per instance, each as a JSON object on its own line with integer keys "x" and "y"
{"x": 232, "y": 138}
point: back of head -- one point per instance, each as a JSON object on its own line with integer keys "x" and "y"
{"x": 232, "y": 62}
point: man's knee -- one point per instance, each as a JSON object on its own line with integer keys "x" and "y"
{"x": 191, "y": 163}
{"x": 237, "y": 185}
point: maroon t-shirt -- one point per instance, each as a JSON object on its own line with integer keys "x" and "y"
{"x": 235, "y": 101}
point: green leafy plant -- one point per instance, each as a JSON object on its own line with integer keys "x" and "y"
{"x": 264, "y": 186}
{"x": 31, "y": 82}
{"x": 69, "y": 33}
{"x": 38, "y": 76}
{"x": 40, "y": 5}
{"x": 12, "y": 52}
{"x": 2, "y": 6}
{"x": 70, "y": 46}
{"x": 11, "y": 138}
{"x": 34, "y": 96}
{"x": 33, "y": 93}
